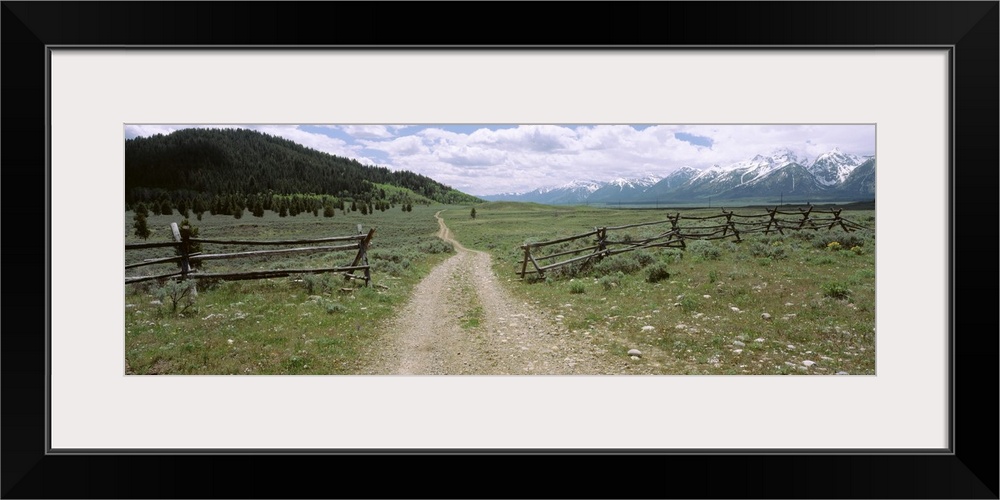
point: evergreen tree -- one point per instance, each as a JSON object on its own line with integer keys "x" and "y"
{"x": 364, "y": 209}
{"x": 165, "y": 208}
{"x": 354, "y": 206}
{"x": 198, "y": 206}
{"x": 328, "y": 210}
{"x": 473, "y": 213}
{"x": 141, "y": 228}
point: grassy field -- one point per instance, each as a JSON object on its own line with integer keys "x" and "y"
{"x": 803, "y": 302}
{"x": 817, "y": 297}
{"x": 302, "y": 324}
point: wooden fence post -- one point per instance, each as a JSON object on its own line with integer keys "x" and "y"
{"x": 524, "y": 265}
{"x": 838, "y": 220}
{"x": 730, "y": 226}
{"x": 777, "y": 224}
{"x": 805, "y": 218}
{"x": 183, "y": 236}
{"x": 185, "y": 249}
{"x": 362, "y": 256}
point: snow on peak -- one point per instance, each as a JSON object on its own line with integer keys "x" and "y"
{"x": 838, "y": 156}
{"x": 579, "y": 184}
{"x": 632, "y": 182}
{"x": 833, "y": 167}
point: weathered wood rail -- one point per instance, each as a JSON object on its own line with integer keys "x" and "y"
{"x": 712, "y": 227}
{"x": 183, "y": 242}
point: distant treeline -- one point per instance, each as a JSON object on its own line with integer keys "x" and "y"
{"x": 218, "y": 168}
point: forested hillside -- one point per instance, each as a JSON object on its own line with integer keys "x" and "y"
{"x": 223, "y": 168}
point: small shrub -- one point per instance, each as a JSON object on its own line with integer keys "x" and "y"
{"x": 713, "y": 276}
{"x": 567, "y": 271}
{"x": 179, "y": 293}
{"x": 398, "y": 256}
{"x": 671, "y": 256}
{"x": 689, "y": 303}
{"x": 833, "y": 246}
{"x": 844, "y": 240}
{"x": 210, "y": 283}
{"x": 436, "y": 246}
{"x": 611, "y": 281}
{"x": 657, "y": 273}
{"x": 626, "y": 263}
{"x": 576, "y": 287}
{"x": 821, "y": 260}
{"x": 857, "y": 250}
{"x": 774, "y": 251}
{"x": 335, "y": 307}
{"x": 836, "y": 290}
{"x": 317, "y": 283}
{"x": 644, "y": 258}
{"x": 141, "y": 287}
{"x": 704, "y": 249}
{"x": 393, "y": 268}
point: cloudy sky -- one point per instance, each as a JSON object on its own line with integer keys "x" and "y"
{"x": 491, "y": 159}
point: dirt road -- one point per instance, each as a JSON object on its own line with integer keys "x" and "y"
{"x": 461, "y": 321}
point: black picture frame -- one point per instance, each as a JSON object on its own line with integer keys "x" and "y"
{"x": 970, "y": 470}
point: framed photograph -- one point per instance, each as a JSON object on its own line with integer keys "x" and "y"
{"x": 922, "y": 76}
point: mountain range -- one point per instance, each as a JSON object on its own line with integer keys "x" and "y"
{"x": 781, "y": 175}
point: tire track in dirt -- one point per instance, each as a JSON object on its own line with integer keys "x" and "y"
{"x": 460, "y": 320}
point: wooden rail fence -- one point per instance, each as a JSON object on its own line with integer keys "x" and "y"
{"x": 713, "y": 227}
{"x": 183, "y": 242}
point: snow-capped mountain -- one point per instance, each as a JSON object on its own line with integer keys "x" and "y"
{"x": 834, "y": 167}
{"x": 861, "y": 180}
{"x": 623, "y": 189}
{"x": 754, "y": 169}
{"x": 781, "y": 175}
{"x": 577, "y": 191}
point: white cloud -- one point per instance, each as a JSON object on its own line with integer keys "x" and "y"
{"x": 523, "y": 158}
{"x": 133, "y": 131}
{"x": 368, "y": 131}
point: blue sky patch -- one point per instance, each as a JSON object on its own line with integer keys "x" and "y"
{"x": 697, "y": 140}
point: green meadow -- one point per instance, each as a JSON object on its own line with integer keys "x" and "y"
{"x": 301, "y": 324}
{"x": 802, "y": 302}
{"x": 798, "y": 303}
